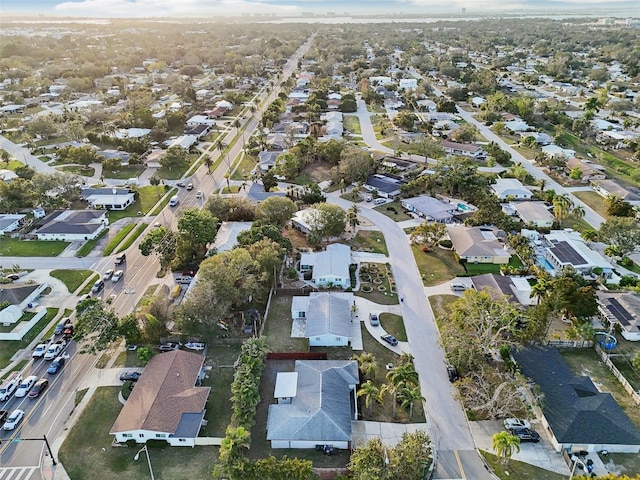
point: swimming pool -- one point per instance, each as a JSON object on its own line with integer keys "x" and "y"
{"x": 546, "y": 264}
{"x": 462, "y": 206}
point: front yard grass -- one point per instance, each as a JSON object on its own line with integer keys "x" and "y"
{"x": 436, "y": 266}
{"x": 86, "y": 249}
{"x": 515, "y": 469}
{"x": 441, "y": 305}
{"x": 89, "y": 443}
{"x": 150, "y": 195}
{"x": 595, "y": 201}
{"x": 369, "y": 241}
{"x": 125, "y": 172}
{"x": 585, "y": 361}
{"x": 71, "y": 278}
{"x": 118, "y": 237}
{"x": 352, "y": 124}
{"x": 394, "y": 211}
{"x": 9, "y": 348}
{"x": 393, "y": 324}
{"x": 243, "y": 170}
{"x": 14, "y": 247}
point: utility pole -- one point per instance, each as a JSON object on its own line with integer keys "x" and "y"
{"x": 44, "y": 437}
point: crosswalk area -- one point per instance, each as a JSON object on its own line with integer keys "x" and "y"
{"x": 18, "y": 473}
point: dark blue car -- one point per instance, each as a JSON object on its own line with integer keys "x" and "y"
{"x": 56, "y": 365}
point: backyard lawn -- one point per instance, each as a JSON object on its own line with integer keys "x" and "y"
{"x": 436, "y": 266}
{"x": 14, "y": 247}
{"x": 277, "y": 327}
{"x": 89, "y": 443}
{"x": 595, "y": 201}
{"x": 71, "y": 278}
{"x": 480, "y": 268}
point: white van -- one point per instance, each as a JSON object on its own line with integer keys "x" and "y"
{"x": 174, "y": 201}
{"x": 10, "y": 385}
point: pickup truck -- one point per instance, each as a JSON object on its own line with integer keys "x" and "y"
{"x": 39, "y": 351}
{"x": 55, "y": 349}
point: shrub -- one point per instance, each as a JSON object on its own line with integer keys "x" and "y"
{"x": 445, "y": 243}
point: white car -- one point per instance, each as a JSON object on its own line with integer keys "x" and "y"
{"x": 25, "y": 386}
{"x": 379, "y": 201}
{"x": 199, "y": 194}
{"x": 14, "y": 419}
{"x": 117, "y": 276}
{"x": 108, "y": 274}
{"x": 516, "y": 424}
{"x": 39, "y": 351}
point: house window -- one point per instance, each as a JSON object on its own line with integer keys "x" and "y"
{"x": 141, "y": 435}
{"x": 127, "y": 435}
{"x": 182, "y": 440}
{"x": 338, "y": 339}
{"x": 302, "y": 314}
{"x": 161, "y": 435}
{"x": 317, "y": 339}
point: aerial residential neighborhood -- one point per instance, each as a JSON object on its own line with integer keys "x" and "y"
{"x": 316, "y": 245}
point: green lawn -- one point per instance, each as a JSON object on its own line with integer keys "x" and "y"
{"x": 243, "y": 170}
{"x": 178, "y": 172}
{"x": 518, "y": 470}
{"x": 125, "y": 173}
{"x": 9, "y": 348}
{"x": 163, "y": 203}
{"x": 595, "y": 201}
{"x": 89, "y": 443}
{"x": 578, "y": 224}
{"x": 394, "y": 211}
{"x": 71, "y": 278}
{"x": 369, "y": 241}
{"x": 85, "y": 249}
{"x": 278, "y": 327}
{"x": 118, "y": 237}
{"x": 133, "y": 237}
{"x": 394, "y": 325}
{"x": 13, "y": 247}
{"x": 480, "y": 268}
{"x": 352, "y": 124}
{"x": 436, "y": 266}
{"x": 79, "y": 170}
{"x": 441, "y": 304}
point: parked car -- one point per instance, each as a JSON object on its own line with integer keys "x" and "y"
{"x": 369, "y": 199}
{"x": 379, "y": 201}
{"x": 452, "y": 373}
{"x": 373, "y": 319}
{"x": 390, "y": 339}
{"x": 107, "y": 275}
{"x": 26, "y": 385}
{"x": 458, "y": 287}
{"x": 99, "y": 285}
{"x": 117, "y": 276}
{"x": 120, "y": 259}
{"x": 169, "y": 346}
{"x": 14, "y": 419}
{"x": 40, "y": 386}
{"x": 39, "y": 351}
{"x": 133, "y": 376}
{"x": 56, "y": 365}
{"x": 525, "y": 434}
{"x": 511, "y": 423}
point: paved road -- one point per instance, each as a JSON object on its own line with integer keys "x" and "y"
{"x": 447, "y": 421}
{"x": 24, "y": 155}
{"x": 368, "y": 134}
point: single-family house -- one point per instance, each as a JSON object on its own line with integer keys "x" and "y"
{"x": 124, "y": 133}
{"x": 152, "y": 160}
{"x": 534, "y": 213}
{"x": 430, "y": 208}
{"x": 256, "y": 193}
{"x": 197, "y": 131}
{"x": 18, "y": 296}
{"x": 166, "y": 404}
{"x": 110, "y": 153}
{"x": 316, "y": 407}
{"x": 566, "y": 248}
{"x": 477, "y": 245}
{"x": 387, "y": 186}
{"x": 556, "y": 151}
{"x": 327, "y": 318}
{"x": 608, "y": 188}
{"x": 184, "y": 141}
{"x": 577, "y": 415}
{"x": 10, "y": 222}
{"x": 108, "y": 198}
{"x": 408, "y": 84}
{"x": 588, "y": 170}
{"x": 515, "y": 289}
{"x": 464, "y": 149}
{"x": 72, "y": 225}
{"x": 511, "y": 188}
{"x": 518, "y": 126}
{"x": 541, "y": 138}
{"x": 399, "y": 164}
{"x": 201, "y": 120}
{"x": 622, "y": 308}
{"x": 267, "y": 159}
{"x": 330, "y": 267}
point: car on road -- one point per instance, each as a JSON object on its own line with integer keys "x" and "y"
{"x": 60, "y": 327}
{"x": 368, "y": 199}
{"x": 14, "y": 419}
{"x": 120, "y": 259}
{"x": 56, "y": 365}
{"x": 107, "y": 275}
{"x": 40, "y": 386}
{"x": 132, "y": 376}
{"x": 26, "y": 385}
{"x": 199, "y": 194}
{"x": 374, "y": 320}
{"x": 525, "y": 434}
{"x": 117, "y": 276}
{"x": 511, "y": 423}
{"x": 390, "y": 339}
{"x": 180, "y": 184}
{"x": 379, "y": 201}
{"x": 99, "y": 285}
{"x": 169, "y": 346}
{"x": 39, "y": 351}
{"x": 190, "y": 186}
{"x": 452, "y": 373}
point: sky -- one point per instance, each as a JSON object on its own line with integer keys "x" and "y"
{"x": 210, "y": 8}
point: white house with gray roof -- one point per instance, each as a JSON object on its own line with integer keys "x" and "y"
{"x": 327, "y": 318}
{"x": 318, "y": 405}
{"x": 10, "y": 222}
{"x": 329, "y": 268}
{"x": 510, "y": 188}
{"x": 72, "y": 225}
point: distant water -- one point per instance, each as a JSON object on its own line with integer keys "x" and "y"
{"x": 339, "y": 20}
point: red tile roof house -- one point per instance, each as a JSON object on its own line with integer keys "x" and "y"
{"x": 165, "y": 404}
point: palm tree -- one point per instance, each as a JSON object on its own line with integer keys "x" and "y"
{"x": 561, "y": 207}
{"x": 367, "y": 364}
{"x": 578, "y": 212}
{"x": 208, "y": 162}
{"x": 612, "y": 251}
{"x": 589, "y": 235}
{"x": 370, "y": 393}
{"x": 392, "y": 390}
{"x": 542, "y": 183}
{"x": 409, "y": 396}
{"x": 352, "y": 217}
{"x": 505, "y": 445}
{"x": 231, "y": 455}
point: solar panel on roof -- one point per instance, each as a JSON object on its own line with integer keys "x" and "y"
{"x": 566, "y": 254}
{"x": 619, "y": 312}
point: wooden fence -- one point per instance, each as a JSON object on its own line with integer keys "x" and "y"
{"x": 621, "y": 378}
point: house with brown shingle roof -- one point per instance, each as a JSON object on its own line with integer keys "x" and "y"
{"x": 166, "y": 403}
{"x": 477, "y": 245}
